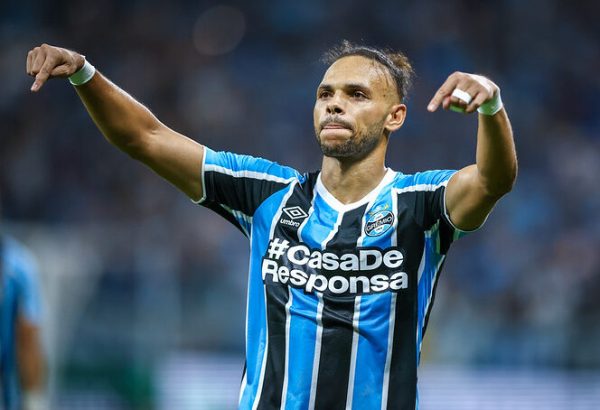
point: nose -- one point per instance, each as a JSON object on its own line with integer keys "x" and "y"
{"x": 334, "y": 105}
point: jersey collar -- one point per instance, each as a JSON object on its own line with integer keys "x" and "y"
{"x": 340, "y": 207}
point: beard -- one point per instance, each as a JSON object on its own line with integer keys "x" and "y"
{"x": 358, "y": 146}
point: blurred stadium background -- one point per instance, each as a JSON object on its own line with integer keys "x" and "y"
{"x": 145, "y": 292}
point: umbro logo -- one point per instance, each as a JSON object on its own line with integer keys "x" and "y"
{"x": 295, "y": 212}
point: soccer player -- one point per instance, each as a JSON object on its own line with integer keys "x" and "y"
{"x": 344, "y": 261}
{"x": 22, "y": 372}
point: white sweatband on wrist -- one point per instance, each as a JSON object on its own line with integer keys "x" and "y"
{"x": 84, "y": 74}
{"x": 491, "y": 106}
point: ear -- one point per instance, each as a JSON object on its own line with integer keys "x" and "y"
{"x": 395, "y": 118}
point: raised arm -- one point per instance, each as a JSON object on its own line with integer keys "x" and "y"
{"x": 124, "y": 122}
{"x": 474, "y": 190}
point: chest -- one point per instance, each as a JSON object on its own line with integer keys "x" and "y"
{"x": 374, "y": 238}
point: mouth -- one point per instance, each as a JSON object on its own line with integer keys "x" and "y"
{"x": 335, "y": 125}
{"x": 335, "y": 133}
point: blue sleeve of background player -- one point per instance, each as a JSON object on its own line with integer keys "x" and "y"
{"x": 236, "y": 185}
{"x": 25, "y": 270}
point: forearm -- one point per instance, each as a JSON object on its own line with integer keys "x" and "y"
{"x": 31, "y": 365}
{"x": 496, "y": 158}
{"x": 473, "y": 191}
{"x": 123, "y": 121}
{"x": 32, "y": 370}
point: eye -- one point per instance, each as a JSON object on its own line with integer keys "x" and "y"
{"x": 359, "y": 95}
{"x": 324, "y": 94}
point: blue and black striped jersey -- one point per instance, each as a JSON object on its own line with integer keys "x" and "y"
{"x": 19, "y": 296}
{"x": 338, "y": 294}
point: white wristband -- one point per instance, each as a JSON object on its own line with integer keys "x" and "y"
{"x": 491, "y": 106}
{"x": 84, "y": 74}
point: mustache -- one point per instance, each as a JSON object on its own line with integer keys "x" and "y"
{"x": 336, "y": 120}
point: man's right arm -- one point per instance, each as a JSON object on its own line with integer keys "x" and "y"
{"x": 125, "y": 122}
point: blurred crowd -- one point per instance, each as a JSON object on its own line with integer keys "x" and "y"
{"x": 241, "y": 76}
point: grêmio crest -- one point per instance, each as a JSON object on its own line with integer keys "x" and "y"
{"x": 379, "y": 222}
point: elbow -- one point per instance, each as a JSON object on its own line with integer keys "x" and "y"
{"x": 505, "y": 188}
{"x": 136, "y": 145}
{"x": 137, "y": 148}
{"x": 135, "y": 139}
{"x": 500, "y": 186}
{"x": 497, "y": 191}
{"x": 511, "y": 177}
{"x": 141, "y": 145}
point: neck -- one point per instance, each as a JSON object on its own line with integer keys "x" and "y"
{"x": 350, "y": 180}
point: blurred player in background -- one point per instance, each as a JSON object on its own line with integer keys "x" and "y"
{"x": 344, "y": 261}
{"x": 22, "y": 367}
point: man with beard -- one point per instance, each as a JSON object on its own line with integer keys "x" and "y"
{"x": 344, "y": 261}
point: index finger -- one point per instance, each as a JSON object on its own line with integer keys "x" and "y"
{"x": 445, "y": 90}
{"x": 43, "y": 74}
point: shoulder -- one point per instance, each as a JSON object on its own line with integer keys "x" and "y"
{"x": 429, "y": 180}
{"x": 18, "y": 260}
{"x": 247, "y": 166}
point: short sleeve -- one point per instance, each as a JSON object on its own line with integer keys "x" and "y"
{"x": 431, "y": 209}
{"x": 22, "y": 267}
{"x": 235, "y": 185}
{"x": 30, "y": 301}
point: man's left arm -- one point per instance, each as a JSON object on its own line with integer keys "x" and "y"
{"x": 473, "y": 191}
{"x": 31, "y": 364}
